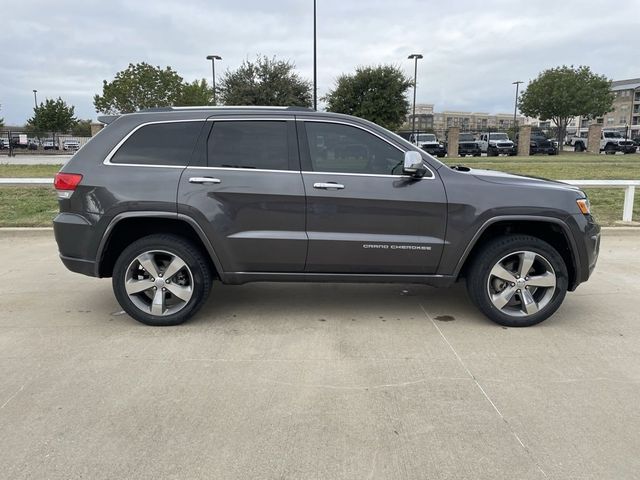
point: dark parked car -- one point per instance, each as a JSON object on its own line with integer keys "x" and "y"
{"x": 539, "y": 143}
{"x": 468, "y": 145}
{"x": 166, "y": 201}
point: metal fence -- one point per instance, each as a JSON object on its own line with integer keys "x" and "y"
{"x": 13, "y": 142}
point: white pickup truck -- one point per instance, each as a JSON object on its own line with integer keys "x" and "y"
{"x": 611, "y": 141}
{"x": 496, "y": 143}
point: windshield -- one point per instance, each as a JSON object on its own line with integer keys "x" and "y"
{"x": 426, "y": 137}
{"x": 498, "y": 136}
{"x": 612, "y": 135}
{"x": 466, "y": 137}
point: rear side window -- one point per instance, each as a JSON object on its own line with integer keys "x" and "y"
{"x": 249, "y": 144}
{"x": 160, "y": 144}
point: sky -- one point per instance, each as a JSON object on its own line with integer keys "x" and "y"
{"x": 473, "y": 50}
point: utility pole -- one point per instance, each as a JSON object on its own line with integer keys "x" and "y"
{"x": 35, "y": 98}
{"x": 213, "y": 59}
{"x": 515, "y": 106}
{"x": 415, "y": 57}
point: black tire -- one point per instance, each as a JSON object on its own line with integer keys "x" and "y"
{"x": 491, "y": 152}
{"x": 490, "y": 254}
{"x": 194, "y": 259}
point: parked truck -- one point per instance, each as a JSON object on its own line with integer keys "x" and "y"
{"x": 496, "y": 143}
{"x": 611, "y": 141}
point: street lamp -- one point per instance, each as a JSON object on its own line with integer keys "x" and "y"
{"x": 315, "y": 61}
{"x": 415, "y": 57}
{"x": 213, "y": 59}
{"x": 35, "y": 98}
{"x": 515, "y": 107}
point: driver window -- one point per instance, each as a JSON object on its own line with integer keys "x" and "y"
{"x": 341, "y": 148}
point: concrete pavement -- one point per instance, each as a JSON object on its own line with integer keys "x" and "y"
{"x": 304, "y": 381}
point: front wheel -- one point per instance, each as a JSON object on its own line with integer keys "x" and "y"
{"x": 517, "y": 280}
{"x": 161, "y": 280}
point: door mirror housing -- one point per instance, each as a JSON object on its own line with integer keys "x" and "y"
{"x": 413, "y": 164}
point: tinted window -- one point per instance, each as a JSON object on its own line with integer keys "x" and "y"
{"x": 160, "y": 144}
{"x": 250, "y": 144}
{"x": 345, "y": 149}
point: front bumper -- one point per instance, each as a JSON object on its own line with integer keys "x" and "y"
{"x": 587, "y": 239}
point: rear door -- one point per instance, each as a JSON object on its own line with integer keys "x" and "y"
{"x": 245, "y": 189}
{"x": 363, "y": 215}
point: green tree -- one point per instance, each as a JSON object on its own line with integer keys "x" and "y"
{"x": 561, "y": 93}
{"x": 195, "y": 93}
{"x": 139, "y": 86}
{"x": 82, "y": 128}
{"x": 375, "y": 93}
{"x": 264, "y": 82}
{"x": 53, "y": 116}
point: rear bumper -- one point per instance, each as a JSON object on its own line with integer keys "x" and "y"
{"x": 79, "y": 265}
{"x": 75, "y": 237}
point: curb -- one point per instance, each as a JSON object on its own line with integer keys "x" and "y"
{"x": 26, "y": 232}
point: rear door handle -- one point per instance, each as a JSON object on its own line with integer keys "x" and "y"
{"x": 328, "y": 185}
{"x": 204, "y": 180}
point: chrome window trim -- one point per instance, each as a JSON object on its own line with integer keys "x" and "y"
{"x": 236, "y": 169}
{"x": 365, "y": 129}
{"x": 380, "y": 175}
{"x": 107, "y": 160}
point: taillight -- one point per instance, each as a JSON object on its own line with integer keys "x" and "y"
{"x": 66, "y": 183}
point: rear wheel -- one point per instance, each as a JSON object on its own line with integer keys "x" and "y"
{"x": 518, "y": 280}
{"x": 161, "y": 280}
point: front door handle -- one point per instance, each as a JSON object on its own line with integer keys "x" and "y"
{"x": 204, "y": 180}
{"x": 328, "y": 185}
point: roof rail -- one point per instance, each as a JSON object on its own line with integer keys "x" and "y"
{"x": 227, "y": 107}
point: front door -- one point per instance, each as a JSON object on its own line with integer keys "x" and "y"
{"x": 246, "y": 191}
{"x": 363, "y": 214}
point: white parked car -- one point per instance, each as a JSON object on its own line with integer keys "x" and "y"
{"x": 71, "y": 145}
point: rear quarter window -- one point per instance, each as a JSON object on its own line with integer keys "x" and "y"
{"x": 163, "y": 144}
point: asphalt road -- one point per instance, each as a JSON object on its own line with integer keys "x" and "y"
{"x": 311, "y": 381}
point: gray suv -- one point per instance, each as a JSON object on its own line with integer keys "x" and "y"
{"x": 167, "y": 201}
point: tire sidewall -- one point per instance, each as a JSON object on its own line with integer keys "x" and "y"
{"x": 497, "y": 250}
{"x": 175, "y": 246}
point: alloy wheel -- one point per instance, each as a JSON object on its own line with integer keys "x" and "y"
{"x": 521, "y": 283}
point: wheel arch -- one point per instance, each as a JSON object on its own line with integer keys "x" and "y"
{"x": 128, "y": 227}
{"x": 551, "y": 230}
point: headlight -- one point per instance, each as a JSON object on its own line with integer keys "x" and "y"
{"x": 584, "y": 205}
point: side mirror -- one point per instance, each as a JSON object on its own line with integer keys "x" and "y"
{"x": 413, "y": 164}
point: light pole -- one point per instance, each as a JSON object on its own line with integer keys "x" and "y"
{"x": 515, "y": 106}
{"x": 213, "y": 59}
{"x": 315, "y": 61}
{"x": 35, "y": 98}
{"x": 415, "y": 57}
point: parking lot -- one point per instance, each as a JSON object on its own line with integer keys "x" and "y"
{"x": 318, "y": 381}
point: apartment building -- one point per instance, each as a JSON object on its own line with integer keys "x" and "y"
{"x": 428, "y": 119}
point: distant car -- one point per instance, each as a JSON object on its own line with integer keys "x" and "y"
{"x": 71, "y": 145}
{"x": 429, "y": 143}
{"x": 539, "y": 143}
{"x": 467, "y": 145}
{"x": 4, "y": 144}
{"x": 32, "y": 144}
{"x": 49, "y": 144}
{"x": 496, "y": 143}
